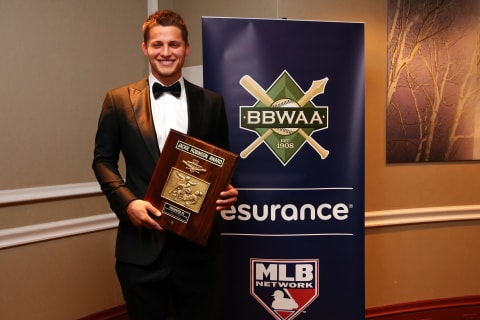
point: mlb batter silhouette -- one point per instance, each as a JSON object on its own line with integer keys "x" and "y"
{"x": 282, "y": 303}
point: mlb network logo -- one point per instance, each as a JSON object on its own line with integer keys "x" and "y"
{"x": 285, "y": 288}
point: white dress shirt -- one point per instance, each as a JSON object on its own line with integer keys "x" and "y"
{"x": 168, "y": 112}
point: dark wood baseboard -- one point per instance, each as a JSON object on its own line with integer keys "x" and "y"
{"x": 116, "y": 313}
{"x": 457, "y": 308}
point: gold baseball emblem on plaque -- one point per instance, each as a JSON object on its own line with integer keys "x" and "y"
{"x": 185, "y": 190}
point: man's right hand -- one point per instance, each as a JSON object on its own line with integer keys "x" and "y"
{"x": 138, "y": 213}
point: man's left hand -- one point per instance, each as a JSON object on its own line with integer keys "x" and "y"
{"x": 228, "y": 197}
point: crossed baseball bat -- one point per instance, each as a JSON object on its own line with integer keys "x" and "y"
{"x": 257, "y": 91}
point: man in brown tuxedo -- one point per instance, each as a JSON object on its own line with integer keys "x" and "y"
{"x": 157, "y": 269}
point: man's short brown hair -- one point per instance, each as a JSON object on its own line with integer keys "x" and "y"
{"x": 164, "y": 18}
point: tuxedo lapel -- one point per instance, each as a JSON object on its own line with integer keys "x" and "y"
{"x": 140, "y": 98}
{"x": 194, "y": 109}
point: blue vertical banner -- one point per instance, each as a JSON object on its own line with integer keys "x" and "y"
{"x": 293, "y": 244}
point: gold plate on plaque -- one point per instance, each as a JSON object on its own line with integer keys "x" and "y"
{"x": 185, "y": 190}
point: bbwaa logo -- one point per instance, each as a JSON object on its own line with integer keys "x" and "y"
{"x": 285, "y": 288}
{"x": 284, "y": 116}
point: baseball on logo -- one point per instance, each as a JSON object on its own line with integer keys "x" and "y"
{"x": 285, "y": 103}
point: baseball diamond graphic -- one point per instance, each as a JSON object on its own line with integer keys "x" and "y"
{"x": 284, "y": 116}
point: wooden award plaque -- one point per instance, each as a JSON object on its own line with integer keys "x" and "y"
{"x": 186, "y": 183}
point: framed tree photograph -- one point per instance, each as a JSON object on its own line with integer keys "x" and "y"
{"x": 433, "y": 89}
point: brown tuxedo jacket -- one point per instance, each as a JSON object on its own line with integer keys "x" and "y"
{"x": 126, "y": 126}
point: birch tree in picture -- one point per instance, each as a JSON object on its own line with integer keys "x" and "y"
{"x": 432, "y": 79}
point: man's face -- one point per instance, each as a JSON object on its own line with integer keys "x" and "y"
{"x": 166, "y": 52}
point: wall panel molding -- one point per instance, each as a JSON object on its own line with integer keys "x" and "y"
{"x": 70, "y": 227}
{"x": 398, "y": 217}
{"x": 55, "y": 230}
{"x": 9, "y": 197}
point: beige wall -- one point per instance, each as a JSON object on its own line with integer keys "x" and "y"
{"x": 422, "y": 262}
{"x": 61, "y": 279}
{"x": 73, "y": 51}
{"x": 58, "y": 59}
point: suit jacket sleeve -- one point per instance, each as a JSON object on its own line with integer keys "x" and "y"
{"x": 108, "y": 145}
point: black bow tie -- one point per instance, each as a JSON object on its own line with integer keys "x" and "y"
{"x": 175, "y": 89}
